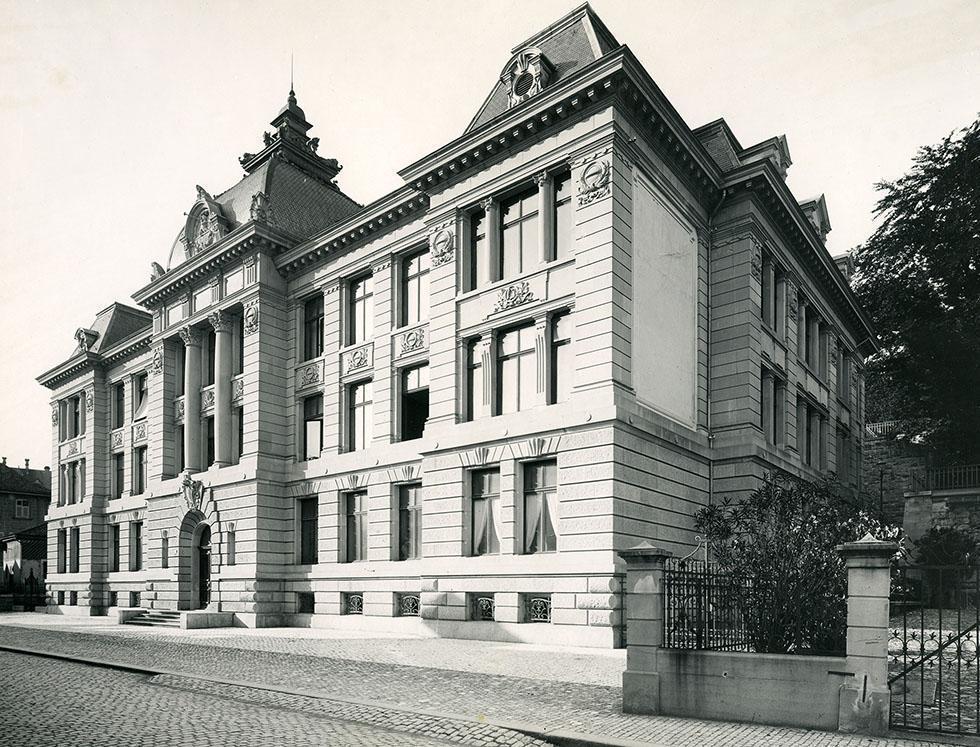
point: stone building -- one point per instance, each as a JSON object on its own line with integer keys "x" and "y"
{"x": 445, "y": 411}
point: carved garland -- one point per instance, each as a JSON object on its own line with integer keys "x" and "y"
{"x": 594, "y": 183}
{"x": 156, "y": 362}
{"x": 357, "y": 359}
{"x": 414, "y": 339}
{"x": 513, "y": 295}
{"x": 442, "y": 245}
{"x": 251, "y": 320}
{"x": 309, "y": 375}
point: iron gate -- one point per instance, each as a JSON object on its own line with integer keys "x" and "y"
{"x": 932, "y": 649}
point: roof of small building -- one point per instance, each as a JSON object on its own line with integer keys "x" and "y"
{"x": 24, "y": 481}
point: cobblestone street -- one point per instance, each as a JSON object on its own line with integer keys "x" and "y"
{"x": 554, "y": 690}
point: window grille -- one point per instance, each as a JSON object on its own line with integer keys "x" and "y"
{"x": 483, "y": 607}
{"x": 305, "y": 602}
{"x": 538, "y": 608}
{"x": 408, "y": 605}
{"x": 354, "y": 604}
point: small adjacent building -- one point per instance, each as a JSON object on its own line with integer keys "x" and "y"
{"x": 446, "y": 411}
{"x": 24, "y": 497}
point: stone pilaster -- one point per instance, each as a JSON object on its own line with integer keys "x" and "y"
{"x": 223, "y": 353}
{"x": 192, "y": 398}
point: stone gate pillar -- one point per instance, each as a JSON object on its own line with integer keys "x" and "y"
{"x": 644, "y": 627}
{"x": 865, "y": 699}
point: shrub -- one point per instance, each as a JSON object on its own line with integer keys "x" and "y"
{"x": 784, "y": 537}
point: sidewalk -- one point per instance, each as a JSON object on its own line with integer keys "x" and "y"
{"x": 546, "y": 690}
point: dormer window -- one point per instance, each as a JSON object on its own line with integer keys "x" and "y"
{"x": 525, "y": 75}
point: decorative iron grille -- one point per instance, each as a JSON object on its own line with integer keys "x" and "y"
{"x": 483, "y": 607}
{"x": 354, "y": 604}
{"x": 702, "y": 607}
{"x": 538, "y": 608}
{"x": 408, "y": 605}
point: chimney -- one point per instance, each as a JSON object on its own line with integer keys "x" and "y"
{"x": 27, "y": 463}
{"x": 47, "y": 468}
{"x": 5, "y": 461}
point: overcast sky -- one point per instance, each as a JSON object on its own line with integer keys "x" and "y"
{"x": 110, "y": 113}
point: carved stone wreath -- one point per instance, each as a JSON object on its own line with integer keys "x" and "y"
{"x": 207, "y": 399}
{"x": 594, "y": 182}
{"x": 357, "y": 359}
{"x": 237, "y": 389}
{"x": 72, "y": 448}
{"x": 513, "y": 295}
{"x": 54, "y": 414}
{"x": 414, "y": 339}
{"x": 139, "y": 432}
{"x": 90, "y": 400}
{"x": 179, "y": 408}
{"x": 116, "y": 439}
{"x": 156, "y": 362}
{"x": 310, "y": 375}
{"x": 251, "y": 319}
{"x": 756, "y": 262}
{"x": 443, "y": 244}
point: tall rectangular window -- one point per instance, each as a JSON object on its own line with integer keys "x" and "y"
{"x": 180, "y": 354}
{"x": 355, "y": 515}
{"x": 62, "y": 550}
{"x": 313, "y": 328}
{"x": 479, "y": 248}
{"x": 139, "y": 470}
{"x": 564, "y": 217}
{"x": 415, "y": 401}
{"x": 22, "y": 509}
{"x": 212, "y": 343}
{"x": 475, "y": 407}
{"x": 519, "y": 234}
{"x": 179, "y": 448}
{"x": 312, "y": 426}
{"x": 486, "y": 502}
{"x": 409, "y": 524}
{"x": 843, "y": 375}
{"x": 360, "y": 308}
{"x": 118, "y": 405}
{"x": 773, "y": 391}
{"x": 74, "y": 549}
{"x": 114, "y": 547}
{"x": 239, "y": 414}
{"x": 140, "y": 398}
{"x": 517, "y": 370}
{"x": 209, "y": 441}
{"x": 73, "y": 415}
{"x": 360, "y": 413}
{"x": 118, "y": 474}
{"x": 136, "y": 546}
{"x": 773, "y": 294}
{"x": 844, "y": 455}
{"x": 415, "y": 288}
{"x": 562, "y": 370}
{"x": 540, "y": 506}
{"x": 308, "y": 518}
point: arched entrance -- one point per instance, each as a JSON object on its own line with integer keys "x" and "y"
{"x": 203, "y": 553}
{"x": 194, "y": 576}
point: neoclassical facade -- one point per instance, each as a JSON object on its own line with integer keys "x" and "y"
{"x": 445, "y": 411}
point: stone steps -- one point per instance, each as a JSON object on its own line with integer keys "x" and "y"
{"x": 156, "y": 619}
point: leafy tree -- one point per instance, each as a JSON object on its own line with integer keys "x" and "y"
{"x": 783, "y": 539}
{"x": 918, "y": 276}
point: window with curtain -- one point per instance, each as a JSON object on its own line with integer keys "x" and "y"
{"x": 140, "y": 398}
{"x": 517, "y": 370}
{"x": 562, "y": 368}
{"x": 116, "y": 544}
{"x": 486, "y": 509}
{"x": 475, "y": 408}
{"x": 409, "y": 525}
{"x": 118, "y": 405}
{"x": 74, "y": 550}
{"x": 415, "y": 288}
{"x": 136, "y": 546}
{"x": 360, "y": 415}
{"x": 519, "y": 234}
{"x": 119, "y": 474}
{"x": 312, "y": 426}
{"x": 540, "y": 506}
{"x": 313, "y": 327}
{"x": 139, "y": 470}
{"x": 355, "y": 513}
{"x": 360, "y": 309}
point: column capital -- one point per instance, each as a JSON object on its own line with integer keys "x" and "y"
{"x": 541, "y": 178}
{"x": 191, "y": 336}
{"x": 220, "y": 320}
{"x": 487, "y": 203}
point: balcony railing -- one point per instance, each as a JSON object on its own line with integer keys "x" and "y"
{"x": 960, "y": 477}
{"x": 884, "y": 428}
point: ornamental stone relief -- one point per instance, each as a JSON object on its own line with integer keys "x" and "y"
{"x": 442, "y": 246}
{"x": 179, "y": 409}
{"x": 791, "y": 294}
{"x": 756, "y": 261}
{"x": 220, "y": 320}
{"x": 193, "y": 492}
{"x": 116, "y": 439}
{"x": 594, "y": 183}
{"x": 54, "y": 414}
{"x": 251, "y": 318}
{"x": 90, "y": 400}
{"x": 237, "y": 389}
{"x": 207, "y": 398}
{"x": 156, "y": 362}
{"x": 357, "y": 359}
{"x": 139, "y": 432}
{"x": 513, "y": 295}
{"x": 412, "y": 340}
{"x": 72, "y": 448}
{"x": 309, "y": 375}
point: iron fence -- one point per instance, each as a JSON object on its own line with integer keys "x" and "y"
{"x": 702, "y": 609}
{"x": 958, "y": 477}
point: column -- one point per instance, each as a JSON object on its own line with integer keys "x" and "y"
{"x": 546, "y": 216}
{"x": 645, "y": 623}
{"x": 192, "y": 398}
{"x": 221, "y": 321}
{"x": 542, "y": 349}
{"x": 488, "y": 367}
{"x": 490, "y": 260}
{"x": 769, "y": 297}
{"x": 865, "y": 699}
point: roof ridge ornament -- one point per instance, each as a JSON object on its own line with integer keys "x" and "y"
{"x": 527, "y": 73}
